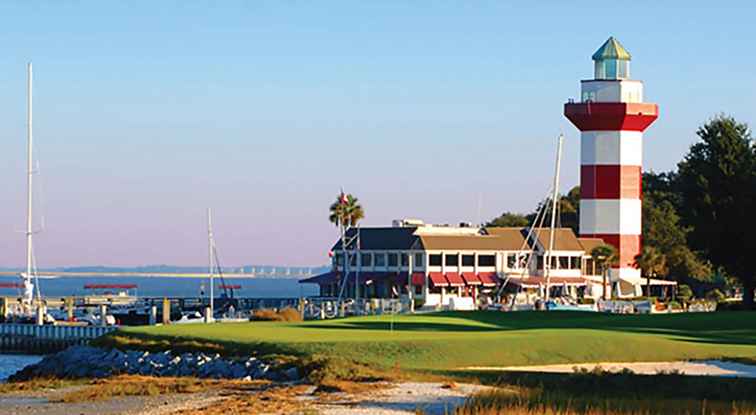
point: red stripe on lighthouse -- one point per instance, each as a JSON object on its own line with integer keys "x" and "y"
{"x": 610, "y": 182}
{"x": 611, "y": 116}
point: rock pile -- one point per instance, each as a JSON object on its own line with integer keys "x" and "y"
{"x": 92, "y": 362}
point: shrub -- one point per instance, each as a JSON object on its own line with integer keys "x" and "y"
{"x": 287, "y": 314}
{"x": 684, "y": 293}
{"x": 587, "y": 300}
{"x": 715, "y": 295}
{"x": 674, "y": 305}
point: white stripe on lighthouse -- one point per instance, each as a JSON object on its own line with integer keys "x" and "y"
{"x": 610, "y": 216}
{"x": 611, "y": 148}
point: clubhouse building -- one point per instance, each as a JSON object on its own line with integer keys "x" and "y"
{"x": 462, "y": 267}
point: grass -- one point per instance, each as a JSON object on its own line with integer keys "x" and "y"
{"x": 442, "y": 343}
{"x": 613, "y": 393}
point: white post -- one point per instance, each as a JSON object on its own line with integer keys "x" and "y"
{"x": 153, "y": 315}
{"x": 103, "y": 315}
{"x": 210, "y": 261}
{"x": 554, "y": 200}
{"x": 28, "y": 292}
{"x": 411, "y": 288}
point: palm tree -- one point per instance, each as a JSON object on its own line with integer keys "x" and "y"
{"x": 604, "y": 256}
{"x": 652, "y": 263}
{"x": 346, "y": 211}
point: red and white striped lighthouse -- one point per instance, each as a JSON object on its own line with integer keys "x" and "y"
{"x": 611, "y": 117}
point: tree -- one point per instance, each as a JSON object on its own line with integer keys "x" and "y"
{"x": 604, "y": 256}
{"x": 346, "y": 211}
{"x": 717, "y": 179}
{"x": 569, "y": 210}
{"x": 652, "y": 263}
{"x": 663, "y": 231}
{"x": 508, "y": 219}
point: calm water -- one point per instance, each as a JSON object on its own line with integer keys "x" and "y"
{"x": 11, "y": 363}
{"x": 170, "y": 287}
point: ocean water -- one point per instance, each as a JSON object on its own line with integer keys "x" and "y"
{"x": 169, "y": 287}
{"x": 11, "y": 363}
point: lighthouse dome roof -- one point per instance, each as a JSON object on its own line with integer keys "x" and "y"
{"x": 611, "y": 49}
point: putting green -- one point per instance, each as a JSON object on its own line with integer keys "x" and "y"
{"x": 448, "y": 340}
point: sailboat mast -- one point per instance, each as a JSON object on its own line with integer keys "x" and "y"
{"x": 554, "y": 197}
{"x": 210, "y": 258}
{"x": 29, "y": 176}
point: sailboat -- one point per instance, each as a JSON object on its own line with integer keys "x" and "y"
{"x": 27, "y": 277}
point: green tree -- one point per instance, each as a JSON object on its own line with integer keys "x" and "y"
{"x": 604, "y": 256}
{"x": 663, "y": 231}
{"x": 346, "y": 210}
{"x": 652, "y": 263}
{"x": 508, "y": 219}
{"x": 717, "y": 179}
{"x": 569, "y": 211}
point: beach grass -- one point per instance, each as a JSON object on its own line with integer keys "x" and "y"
{"x": 448, "y": 342}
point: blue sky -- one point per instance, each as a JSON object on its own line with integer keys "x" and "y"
{"x": 146, "y": 113}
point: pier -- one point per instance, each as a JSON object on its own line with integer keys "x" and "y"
{"x": 33, "y": 339}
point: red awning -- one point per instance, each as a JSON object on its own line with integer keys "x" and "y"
{"x": 455, "y": 280}
{"x": 109, "y": 286}
{"x": 471, "y": 279}
{"x": 438, "y": 279}
{"x": 11, "y": 285}
{"x": 488, "y": 279}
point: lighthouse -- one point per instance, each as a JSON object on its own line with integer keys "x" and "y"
{"x": 611, "y": 117}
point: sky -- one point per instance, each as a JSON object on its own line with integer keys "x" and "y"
{"x": 147, "y": 113}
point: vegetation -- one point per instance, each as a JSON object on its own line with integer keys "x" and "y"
{"x": 287, "y": 314}
{"x": 652, "y": 263}
{"x": 346, "y": 211}
{"x": 445, "y": 343}
{"x": 509, "y": 220}
{"x": 599, "y": 392}
{"x": 717, "y": 179}
{"x": 604, "y": 256}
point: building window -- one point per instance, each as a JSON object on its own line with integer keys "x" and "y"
{"x": 486, "y": 260}
{"x": 574, "y": 262}
{"x": 367, "y": 260}
{"x": 553, "y": 262}
{"x": 539, "y": 262}
{"x": 393, "y": 260}
{"x": 338, "y": 260}
{"x": 419, "y": 260}
{"x": 352, "y": 260}
{"x": 452, "y": 260}
{"x": 419, "y": 289}
{"x": 380, "y": 260}
{"x": 512, "y": 261}
{"x": 405, "y": 260}
{"x": 468, "y": 260}
{"x": 434, "y": 260}
{"x": 564, "y": 262}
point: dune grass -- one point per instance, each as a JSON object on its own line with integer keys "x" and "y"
{"x": 598, "y": 392}
{"x": 445, "y": 342}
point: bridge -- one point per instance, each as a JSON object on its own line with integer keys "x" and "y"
{"x": 290, "y": 272}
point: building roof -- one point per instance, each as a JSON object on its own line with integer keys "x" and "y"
{"x": 611, "y": 49}
{"x": 509, "y": 242}
{"x": 400, "y": 238}
{"x": 564, "y": 239}
{"x": 590, "y": 243}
